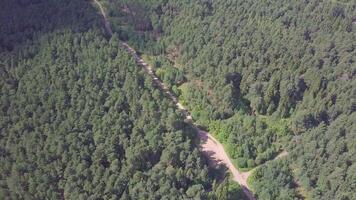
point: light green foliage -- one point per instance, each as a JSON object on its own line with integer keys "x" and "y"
{"x": 265, "y": 73}
{"x": 80, "y": 120}
{"x": 227, "y": 190}
{"x": 273, "y": 181}
{"x": 250, "y": 141}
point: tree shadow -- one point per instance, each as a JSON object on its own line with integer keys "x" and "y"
{"x": 219, "y": 169}
{"x": 25, "y": 21}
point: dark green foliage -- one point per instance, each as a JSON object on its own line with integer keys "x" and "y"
{"x": 249, "y": 141}
{"x": 170, "y": 75}
{"x": 80, "y": 120}
{"x": 328, "y": 164}
{"x": 295, "y": 61}
{"x": 88, "y": 131}
{"x": 25, "y": 20}
{"x": 274, "y": 181}
{"x": 227, "y": 190}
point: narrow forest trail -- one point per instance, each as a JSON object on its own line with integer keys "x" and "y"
{"x": 209, "y": 146}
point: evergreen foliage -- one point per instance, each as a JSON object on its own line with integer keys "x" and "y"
{"x": 250, "y": 65}
{"x": 80, "y": 120}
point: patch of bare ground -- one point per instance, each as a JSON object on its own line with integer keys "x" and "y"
{"x": 209, "y": 146}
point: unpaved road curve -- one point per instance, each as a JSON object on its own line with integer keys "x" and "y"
{"x": 106, "y": 21}
{"x": 209, "y": 146}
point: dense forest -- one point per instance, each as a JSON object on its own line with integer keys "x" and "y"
{"x": 263, "y": 77}
{"x": 80, "y": 120}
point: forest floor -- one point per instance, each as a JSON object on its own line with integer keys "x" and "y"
{"x": 209, "y": 146}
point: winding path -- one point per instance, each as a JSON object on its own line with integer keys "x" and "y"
{"x": 209, "y": 146}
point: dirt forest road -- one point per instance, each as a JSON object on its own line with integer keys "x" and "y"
{"x": 209, "y": 146}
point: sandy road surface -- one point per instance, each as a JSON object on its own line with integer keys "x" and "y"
{"x": 210, "y": 147}
{"x": 214, "y": 150}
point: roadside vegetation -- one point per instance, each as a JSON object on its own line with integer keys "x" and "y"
{"x": 264, "y": 76}
{"x": 80, "y": 120}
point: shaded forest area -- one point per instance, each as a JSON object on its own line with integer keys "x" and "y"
{"x": 80, "y": 120}
{"x": 262, "y": 76}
